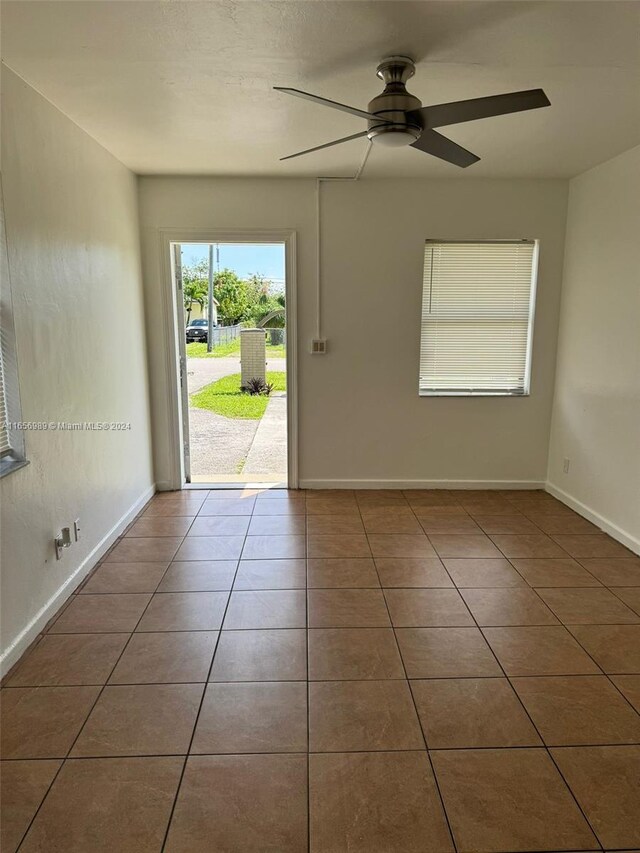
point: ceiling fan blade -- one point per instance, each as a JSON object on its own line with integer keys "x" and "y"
{"x": 298, "y": 93}
{"x": 440, "y": 115}
{"x": 327, "y": 145}
{"x": 434, "y": 143}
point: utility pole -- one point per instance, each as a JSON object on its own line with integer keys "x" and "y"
{"x": 210, "y": 303}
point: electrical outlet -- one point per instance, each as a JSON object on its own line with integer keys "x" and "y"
{"x": 565, "y": 465}
{"x": 318, "y": 346}
{"x": 76, "y": 529}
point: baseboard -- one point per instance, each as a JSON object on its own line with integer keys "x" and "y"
{"x": 626, "y": 539}
{"x": 422, "y": 484}
{"x": 22, "y": 642}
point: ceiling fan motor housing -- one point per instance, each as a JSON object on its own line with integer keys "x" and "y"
{"x": 394, "y": 104}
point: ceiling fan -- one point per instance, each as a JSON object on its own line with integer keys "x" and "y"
{"x": 397, "y": 118}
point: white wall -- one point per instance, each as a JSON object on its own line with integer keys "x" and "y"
{"x": 596, "y": 413}
{"x": 73, "y": 244}
{"x": 360, "y": 417}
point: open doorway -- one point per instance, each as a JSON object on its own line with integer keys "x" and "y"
{"x": 233, "y": 339}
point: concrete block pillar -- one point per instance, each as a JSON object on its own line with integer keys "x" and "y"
{"x": 253, "y": 355}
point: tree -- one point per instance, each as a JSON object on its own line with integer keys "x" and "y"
{"x": 195, "y": 286}
{"x": 233, "y": 297}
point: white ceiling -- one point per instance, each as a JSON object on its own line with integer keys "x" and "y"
{"x": 186, "y": 87}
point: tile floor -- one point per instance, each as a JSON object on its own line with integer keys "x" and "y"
{"x": 371, "y": 672}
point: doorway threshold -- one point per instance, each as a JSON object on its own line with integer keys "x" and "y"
{"x": 229, "y": 483}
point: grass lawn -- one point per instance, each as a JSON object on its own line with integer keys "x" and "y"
{"x": 224, "y": 397}
{"x": 232, "y": 348}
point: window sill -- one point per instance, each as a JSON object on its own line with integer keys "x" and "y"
{"x": 472, "y": 394}
{"x": 8, "y": 465}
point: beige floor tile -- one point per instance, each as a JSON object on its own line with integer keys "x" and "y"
{"x": 463, "y": 545}
{"x": 321, "y": 506}
{"x": 483, "y": 572}
{"x": 587, "y": 606}
{"x": 629, "y": 685}
{"x": 125, "y": 578}
{"x": 280, "y": 507}
{"x": 69, "y": 660}
{"x": 144, "y": 549}
{"x": 539, "y": 650}
{"x": 558, "y": 571}
{"x": 347, "y": 608}
{"x": 450, "y": 525}
{"x": 23, "y": 785}
{"x": 599, "y": 545}
{"x": 507, "y": 606}
{"x": 230, "y": 506}
{"x": 428, "y": 512}
{"x": 614, "y": 571}
{"x": 355, "y": 545}
{"x": 412, "y": 572}
{"x": 42, "y": 722}
{"x": 267, "y": 655}
{"x": 220, "y": 525}
{"x": 606, "y": 783}
{"x": 399, "y": 545}
{"x": 630, "y": 595}
{"x": 375, "y": 802}
{"x": 281, "y": 608}
{"x": 337, "y": 654}
{"x": 277, "y": 525}
{"x": 199, "y": 576}
{"x": 265, "y": 716}
{"x": 435, "y": 608}
{"x": 350, "y": 572}
{"x": 576, "y": 710}
{"x": 513, "y": 524}
{"x": 334, "y": 525}
{"x": 140, "y": 719}
{"x": 553, "y": 524}
{"x": 181, "y": 657}
{"x": 273, "y": 547}
{"x": 446, "y": 653}
{"x": 347, "y": 716}
{"x": 616, "y": 648}
{"x": 176, "y": 526}
{"x": 472, "y": 712}
{"x": 392, "y": 522}
{"x": 527, "y": 545}
{"x": 271, "y": 574}
{"x": 107, "y": 804}
{"x": 247, "y": 803}
{"x": 184, "y": 611}
{"x": 101, "y": 614}
{"x": 211, "y": 548}
{"x": 509, "y": 800}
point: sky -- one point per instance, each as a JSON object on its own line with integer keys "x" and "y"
{"x": 243, "y": 258}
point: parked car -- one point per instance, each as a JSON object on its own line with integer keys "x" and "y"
{"x": 198, "y": 330}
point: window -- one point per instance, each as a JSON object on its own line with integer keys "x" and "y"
{"x": 477, "y": 317}
{"x": 11, "y": 436}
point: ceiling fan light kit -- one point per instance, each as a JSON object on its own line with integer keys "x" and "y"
{"x": 396, "y": 118}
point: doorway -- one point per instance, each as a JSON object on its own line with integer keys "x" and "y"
{"x": 235, "y": 347}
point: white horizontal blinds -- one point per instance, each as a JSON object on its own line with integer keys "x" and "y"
{"x": 5, "y": 446}
{"x": 476, "y": 316}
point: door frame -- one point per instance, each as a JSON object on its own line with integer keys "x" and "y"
{"x": 172, "y": 331}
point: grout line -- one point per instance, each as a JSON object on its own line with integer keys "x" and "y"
{"x": 202, "y": 699}
{"x": 419, "y": 721}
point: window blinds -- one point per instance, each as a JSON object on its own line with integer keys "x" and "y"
{"x": 477, "y": 317}
{"x": 5, "y": 446}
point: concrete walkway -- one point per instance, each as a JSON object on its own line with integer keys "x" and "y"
{"x": 268, "y": 452}
{"x": 219, "y": 445}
